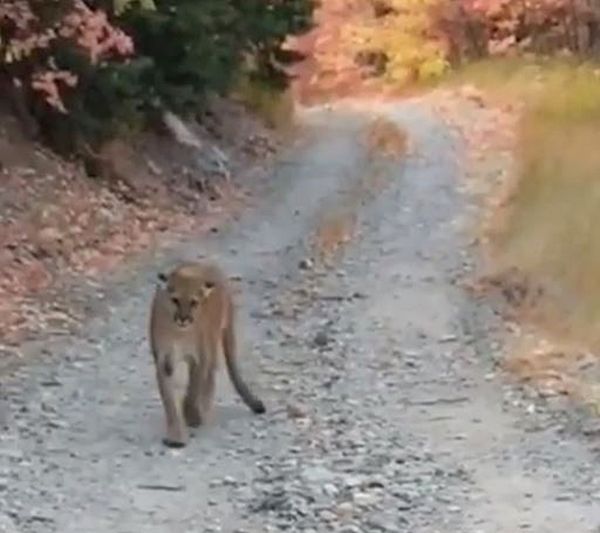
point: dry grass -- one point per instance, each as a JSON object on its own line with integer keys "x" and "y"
{"x": 511, "y": 79}
{"x": 557, "y": 368}
{"x": 543, "y": 221}
{"x": 549, "y": 229}
{"x": 552, "y": 368}
{"x": 275, "y": 108}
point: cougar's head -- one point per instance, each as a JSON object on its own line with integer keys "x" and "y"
{"x": 187, "y": 289}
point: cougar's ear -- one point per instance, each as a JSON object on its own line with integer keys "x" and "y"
{"x": 207, "y": 288}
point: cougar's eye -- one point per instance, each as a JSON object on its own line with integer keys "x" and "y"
{"x": 175, "y": 300}
{"x": 194, "y": 302}
{"x": 209, "y": 285}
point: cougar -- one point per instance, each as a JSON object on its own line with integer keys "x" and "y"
{"x": 192, "y": 319}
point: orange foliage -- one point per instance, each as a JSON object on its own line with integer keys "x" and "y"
{"x": 26, "y": 39}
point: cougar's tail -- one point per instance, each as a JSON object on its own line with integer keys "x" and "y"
{"x": 230, "y": 353}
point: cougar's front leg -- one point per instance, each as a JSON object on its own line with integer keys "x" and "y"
{"x": 173, "y": 378}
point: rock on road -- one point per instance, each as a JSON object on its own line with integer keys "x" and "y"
{"x": 382, "y": 416}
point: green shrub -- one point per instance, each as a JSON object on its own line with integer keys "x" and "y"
{"x": 108, "y": 100}
{"x": 83, "y": 71}
{"x": 198, "y": 47}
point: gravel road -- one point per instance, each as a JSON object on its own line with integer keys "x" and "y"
{"x": 383, "y": 414}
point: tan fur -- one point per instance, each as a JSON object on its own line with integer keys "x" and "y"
{"x": 192, "y": 319}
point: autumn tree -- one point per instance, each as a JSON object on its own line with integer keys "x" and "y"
{"x": 79, "y": 71}
{"x": 476, "y": 28}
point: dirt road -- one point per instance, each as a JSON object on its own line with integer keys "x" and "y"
{"x": 383, "y": 415}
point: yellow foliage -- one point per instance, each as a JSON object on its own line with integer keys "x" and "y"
{"x": 405, "y": 38}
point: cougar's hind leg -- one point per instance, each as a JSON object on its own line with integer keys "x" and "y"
{"x": 191, "y": 407}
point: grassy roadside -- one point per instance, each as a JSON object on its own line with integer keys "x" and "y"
{"x": 544, "y": 227}
{"x": 275, "y": 108}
